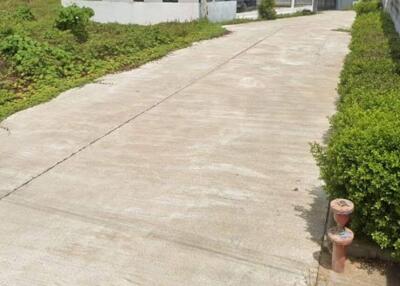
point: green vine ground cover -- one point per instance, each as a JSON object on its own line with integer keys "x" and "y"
{"x": 38, "y": 61}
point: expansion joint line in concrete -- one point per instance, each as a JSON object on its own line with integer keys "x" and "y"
{"x": 322, "y": 244}
{"x": 141, "y": 113}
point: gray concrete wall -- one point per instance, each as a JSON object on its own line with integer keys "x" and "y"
{"x": 221, "y": 10}
{"x": 393, "y": 7}
{"x": 344, "y": 4}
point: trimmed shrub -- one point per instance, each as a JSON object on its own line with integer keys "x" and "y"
{"x": 365, "y": 6}
{"x": 361, "y": 161}
{"x": 266, "y": 10}
{"x": 75, "y": 19}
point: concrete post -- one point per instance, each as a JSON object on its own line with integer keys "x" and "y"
{"x": 203, "y": 9}
{"x": 315, "y": 6}
{"x": 340, "y": 235}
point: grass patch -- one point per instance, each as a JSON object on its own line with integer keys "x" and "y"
{"x": 38, "y": 61}
{"x": 361, "y": 161}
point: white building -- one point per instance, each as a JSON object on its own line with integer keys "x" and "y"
{"x": 146, "y": 12}
{"x": 393, "y": 7}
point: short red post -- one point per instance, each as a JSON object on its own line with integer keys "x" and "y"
{"x": 340, "y": 235}
{"x": 338, "y": 258}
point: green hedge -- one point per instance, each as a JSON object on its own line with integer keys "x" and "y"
{"x": 361, "y": 161}
{"x": 369, "y": 6}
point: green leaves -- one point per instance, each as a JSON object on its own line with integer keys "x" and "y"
{"x": 34, "y": 61}
{"x": 266, "y": 10}
{"x": 367, "y": 6}
{"x": 38, "y": 61}
{"x": 24, "y": 13}
{"x": 362, "y": 158}
{"x": 75, "y": 19}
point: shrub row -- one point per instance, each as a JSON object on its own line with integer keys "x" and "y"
{"x": 361, "y": 161}
{"x": 367, "y": 6}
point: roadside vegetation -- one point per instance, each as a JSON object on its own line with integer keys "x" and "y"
{"x": 266, "y": 10}
{"x": 361, "y": 161}
{"x": 45, "y": 49}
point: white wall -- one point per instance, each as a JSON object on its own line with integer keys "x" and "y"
{"x": 393, "y": 7}
{"x": 219, "y": 11}
{"x": 154, "y": 11}
{"x": 143, "y": 13}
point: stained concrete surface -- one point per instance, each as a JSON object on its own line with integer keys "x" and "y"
{"x": 358, "y": 272}
{"x": 191, "y": 170}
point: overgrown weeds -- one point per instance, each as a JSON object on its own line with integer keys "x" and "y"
{"x": 38, "y": 60}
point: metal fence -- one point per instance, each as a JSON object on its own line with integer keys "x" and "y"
{"x": 290, "y": 3}
{"x": 326, "y": 4}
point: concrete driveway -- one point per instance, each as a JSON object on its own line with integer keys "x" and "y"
{"x": 192, "y": 170}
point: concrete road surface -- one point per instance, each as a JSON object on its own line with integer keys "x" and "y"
{"x": 192, "y": 170}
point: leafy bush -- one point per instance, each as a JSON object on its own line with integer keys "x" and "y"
{"x": 5, "y": 29}
{"x": 76, "y": 20}
{"x": 266, "y": 10}
{"x": 367, "y": 6}
{"x": 24, "y": 13}
{"x": 35, "y": 61}
{"x": 361, "y": 161}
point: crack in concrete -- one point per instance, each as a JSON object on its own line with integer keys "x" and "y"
{"x": 317, "y": 278}
{"x": 103, "y": 82}
{"x": 132, "y": 118}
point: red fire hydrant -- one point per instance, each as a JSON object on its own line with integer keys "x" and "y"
{"x": 340, "y": 235}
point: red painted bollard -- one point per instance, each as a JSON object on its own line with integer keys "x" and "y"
{"x": 340, "y": 235}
